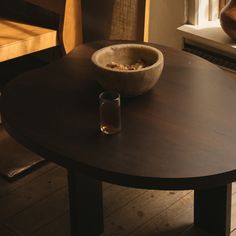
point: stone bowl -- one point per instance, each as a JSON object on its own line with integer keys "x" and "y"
{"x": 128, "y": 83}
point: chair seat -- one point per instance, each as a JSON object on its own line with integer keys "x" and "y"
{"x": 18, "y": 39}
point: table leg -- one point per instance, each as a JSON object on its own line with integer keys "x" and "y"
{"x": 86, "y": 208}
{"x": 212, "y": 209}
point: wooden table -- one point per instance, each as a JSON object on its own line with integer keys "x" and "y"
{"x": 180, "y": 135}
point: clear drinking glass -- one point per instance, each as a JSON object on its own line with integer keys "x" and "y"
{"x": 110, "y": 118}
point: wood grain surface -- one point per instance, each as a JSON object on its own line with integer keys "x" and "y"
{"x": 180, "y": 135}
{"x": 18, "y": 39}
{"x": 34, "y": 25}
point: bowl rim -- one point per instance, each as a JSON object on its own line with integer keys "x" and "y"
{"x": 133, "y": 45}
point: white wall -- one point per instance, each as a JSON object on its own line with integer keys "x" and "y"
{"x": 165, "y": 16}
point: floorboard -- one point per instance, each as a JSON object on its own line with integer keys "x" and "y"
{"x": 24, "y": 197}
{"x": 173, "y": 221}
{"x": 139, "y": 211}
{"x": 40, "y": 214}
{"x": 5, "y": 231}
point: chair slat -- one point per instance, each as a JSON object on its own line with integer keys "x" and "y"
{"x": 17, "y": 39}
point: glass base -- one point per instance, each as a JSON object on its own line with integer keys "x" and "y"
{"x": 109, "y": 130}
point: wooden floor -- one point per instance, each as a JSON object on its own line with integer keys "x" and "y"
{"x": 37, "y": 205}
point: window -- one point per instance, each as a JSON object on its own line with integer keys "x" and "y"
{"x": 202, "y": 11}
{"x": 204, "y": 32}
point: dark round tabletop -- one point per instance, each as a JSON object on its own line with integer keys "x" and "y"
{"x": 180, "y": 135}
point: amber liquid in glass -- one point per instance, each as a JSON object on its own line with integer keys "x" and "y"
{"x": 110, "y": 121}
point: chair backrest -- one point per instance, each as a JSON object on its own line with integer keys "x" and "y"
{"x": 70, "y": 22}
{"x": 113, "y": 19}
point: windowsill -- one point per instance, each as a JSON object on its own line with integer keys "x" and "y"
{"x": 211, "y": 35}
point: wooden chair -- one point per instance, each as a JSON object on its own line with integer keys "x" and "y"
{"x": 29, "y": 26}
{"x": 23, "y": 32}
